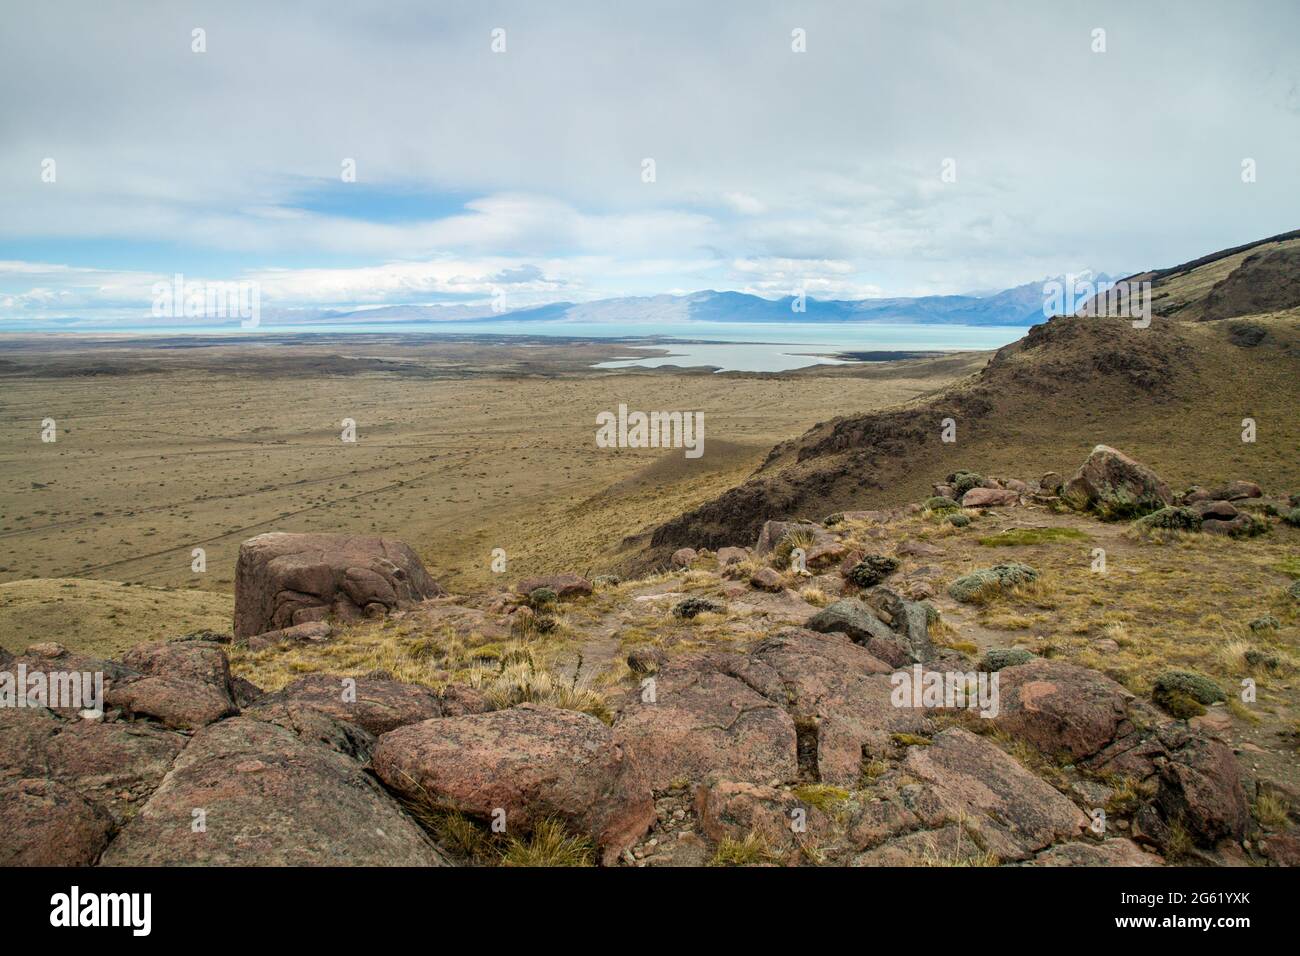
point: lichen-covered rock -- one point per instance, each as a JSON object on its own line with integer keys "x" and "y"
{"x": 1200, "y": 789}
{"x": 201, "y": 661}
{"x": 285, "y": 579}
{"x": 311, "y": 632}
{"x": 376, "y": 706}
{"x": 859, "y": 622}
{"x": 1114, "y": 486}
{"x": 179, "y": 704}
{"x": 1014, "y": 812}
{"x": 698, "y": 717}
{"x": 730, "y": 555}
{"x": 533, "y": 763}
{"x": 728, "y": 809}
{"x": 683, "y": 557}
{"x": 1061, "y": 708}
{"x": 839, "y": 695}
{"x": 48, "y": 824}
{"x": 268, "y": 798}
{"x": 1117, "y": 851}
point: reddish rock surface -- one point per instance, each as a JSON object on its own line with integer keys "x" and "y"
{"x": 704, "y": 719}
{"x": 269, "y": 798}
{"x": 376, "y": 706}
{"x": 1014, "y": 812}
{"x": 1059, "y": 707}
{"x": 1110, "y": 475}
{"x": 533, "y": 762}
{"x": 179, "y": 704}
{"x": 286, "y": 579}
{"x": 564, "y": 585}
{"x": 48, "y": 824}
{"x": 989, "y": 498}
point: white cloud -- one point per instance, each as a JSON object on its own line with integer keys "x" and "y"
{"x": 762, "y": 156}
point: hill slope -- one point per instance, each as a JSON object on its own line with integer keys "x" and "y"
{"x": 1174, "y": 395}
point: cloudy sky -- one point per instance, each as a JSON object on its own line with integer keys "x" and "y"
{"x": 524, "y": 170}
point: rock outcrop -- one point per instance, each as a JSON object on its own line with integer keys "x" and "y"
{"x": 286, "y": 579}
{"x": 1114, "y": 485}
{"x": 526, "y": 764}
{"x": 247, "y": 792}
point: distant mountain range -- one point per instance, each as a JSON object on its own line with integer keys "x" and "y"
{"x": 1019, "y": 306}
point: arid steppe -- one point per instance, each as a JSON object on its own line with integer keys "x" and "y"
{"x": 461, "y": 448}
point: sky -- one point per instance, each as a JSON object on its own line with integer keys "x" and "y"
{"x": 908, "y": 148}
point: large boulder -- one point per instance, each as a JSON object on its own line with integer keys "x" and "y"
{"x": 533, "y": 762}
{"x": 1200, "y": 788}
{"x": 48, "y": 824}
{"x": 1062, "y": 708}
{"x": 376, "y": 706}
{"x": 115, "y": 765}
{"x": 268, "y": 798}
{"x": 1114, "y": 486}
{"x": 285, "y": 579}
{"x": 201, "y": 661}
{"x": 860, "y": 622}
{"x": 178, "y": 704}
{"x": 990, "y": 498}
{"x": 701, "y": 718}
{"x": 1015, "y": 813}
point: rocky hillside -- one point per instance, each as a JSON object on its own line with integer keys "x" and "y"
{"x": 955, "y": 682}
{"x": 1224, "y": 345}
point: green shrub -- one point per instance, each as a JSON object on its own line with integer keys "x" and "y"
{"x": 940, "y": 503}
{"x": 1177, "y": 704}
{"x": 1266, "y": 623}
{"x": 958, "y": 520}
{"x": 964, "y": 481}
{"x": 692, "y": 606}
{"x": 1000, "y": 657}
{"x": 1172, "y": 686}
{"x": 981, "y": 585}
{"x": 540, "y": 598}
{"x": 1169, "y": 519}
{"x": 1258, "y": 658}
{"x": 871, "y": 570}
{"x": 1252, "y": 526}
